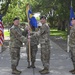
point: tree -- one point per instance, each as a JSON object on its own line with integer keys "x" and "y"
{"x": 59, "y": 8}
{"x": 55, "y": 10}
{"x": 17, "y": 8}
{"x": 4, "y": 6}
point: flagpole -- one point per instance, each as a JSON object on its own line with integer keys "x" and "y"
{"x": 27, "y": 8}
{"x": 68, "y": 37}
{"x": 71, "y": 3}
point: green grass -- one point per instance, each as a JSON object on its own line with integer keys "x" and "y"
{"x": 6, "y": 33}
{"x": 55, "y": 32}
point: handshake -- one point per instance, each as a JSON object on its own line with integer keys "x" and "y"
{"x": 31, "y": 34}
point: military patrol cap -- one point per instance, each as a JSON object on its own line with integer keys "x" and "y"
{"x": 44, "y": 17}
{"x": 16, "y": 18}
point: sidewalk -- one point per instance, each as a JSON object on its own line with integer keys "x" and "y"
{"x": 60, "y": 62}
{"x": 59, "y": 41}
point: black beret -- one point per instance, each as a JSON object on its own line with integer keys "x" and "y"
{"x": 16, "y": 18}
{"x": 1, "y": 17}
{"x": 43, "y": 17}
{"x": 73, "y": 18}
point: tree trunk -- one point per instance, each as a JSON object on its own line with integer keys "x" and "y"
{"x": 59, "y": 25}
{"x": 63, "y": 26}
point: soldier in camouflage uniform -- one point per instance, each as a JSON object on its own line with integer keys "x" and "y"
{"x": 33, "y": 48}
{"x": 44, "y": 34}
{"x": 16, "y": 40}
{"x": 72, "y": 44}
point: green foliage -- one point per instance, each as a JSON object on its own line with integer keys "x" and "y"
{"x": 14, "y": 11}
{"x": 61, "y": 10}
{"x": 4, "y": 6}
{"x": 17, "y": 8}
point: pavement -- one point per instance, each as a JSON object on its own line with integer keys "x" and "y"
{"x": 60, "y": 41}
{"x": 60, "y": 62}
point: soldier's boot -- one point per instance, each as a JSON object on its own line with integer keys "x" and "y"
{"x": 33, "y": 65}
{"x": 41, "y": 70}
{"x": 15, "y": 71}
{"x": 29, "y": 66}
{"x": 72, "y": 70}
{"x": 45, "y": 71}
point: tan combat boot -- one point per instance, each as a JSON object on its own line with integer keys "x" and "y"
{"x": 15, "y": 71}
{"x": 41, "y": 70}
{"x": 45, "y": 71}
{"x": 71, "y": 71}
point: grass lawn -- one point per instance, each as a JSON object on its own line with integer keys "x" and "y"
{"x": 6, "y": 33}
{"x": 55, "y": 32}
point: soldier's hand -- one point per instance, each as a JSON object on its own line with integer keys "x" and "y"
{"x": 29, "y": 37}
{"x": 35, "y": 34}
{"x": 28, "y": 28}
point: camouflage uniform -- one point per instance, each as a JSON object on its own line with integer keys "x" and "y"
{"x": 33, "y": 48}
{"x": 45, "y": 45}
{"x": 16, "y": 40}
{"x": 72, "y": 44}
